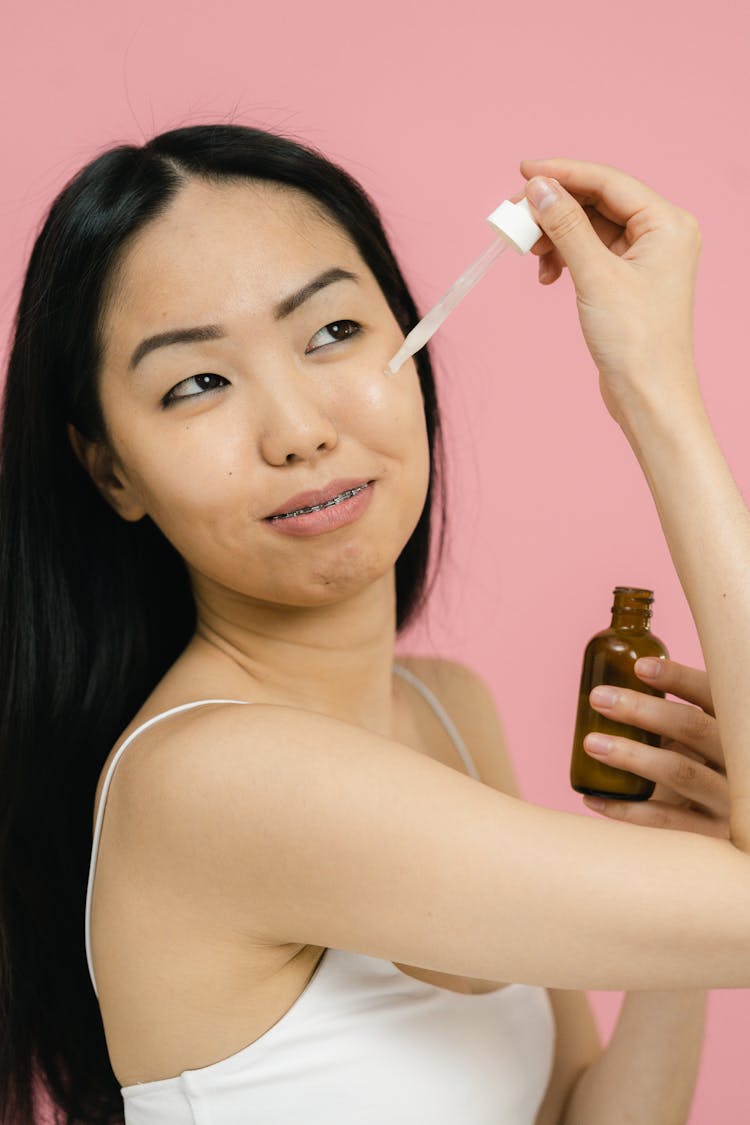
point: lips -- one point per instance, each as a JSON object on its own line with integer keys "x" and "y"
{"x": 321, "y": 496}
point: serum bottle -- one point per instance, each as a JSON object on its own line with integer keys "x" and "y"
{"x": 608, "y": 659}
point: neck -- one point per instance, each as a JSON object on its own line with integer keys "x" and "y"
{"x": 335, "y": 659}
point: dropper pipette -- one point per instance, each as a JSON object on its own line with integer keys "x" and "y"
{"x": 516, "y": 228}
{"x": 430, "y": 323}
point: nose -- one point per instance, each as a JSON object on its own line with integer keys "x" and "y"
{"x": 295, "y": 422}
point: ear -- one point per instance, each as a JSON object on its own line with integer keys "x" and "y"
{"x": 109, "y": 478}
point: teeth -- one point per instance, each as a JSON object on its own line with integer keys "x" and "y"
{"x": 317, "y": 507}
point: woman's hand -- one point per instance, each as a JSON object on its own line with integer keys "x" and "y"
{"x": 633, "y": 258}
{"x": 691, "y": 791}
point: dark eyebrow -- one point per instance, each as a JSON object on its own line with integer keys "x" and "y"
{"x": 218, "y": 332}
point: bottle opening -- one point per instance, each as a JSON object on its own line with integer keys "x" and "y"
{"x": 632, "y": 601}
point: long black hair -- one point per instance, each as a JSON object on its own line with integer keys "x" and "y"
{"x": 94, "y": 609}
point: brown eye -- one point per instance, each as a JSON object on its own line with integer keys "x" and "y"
{"x": 199, "y": 381}
{"x": 336, "y": 330}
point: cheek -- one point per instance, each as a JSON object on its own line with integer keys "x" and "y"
{"x": 388, "y": 413}
{"x": 194, "y": 487}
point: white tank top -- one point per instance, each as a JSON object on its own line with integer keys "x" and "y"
{"x": 363, "y": 1043}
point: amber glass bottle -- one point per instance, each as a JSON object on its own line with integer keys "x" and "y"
{"x": 609, "y": 659}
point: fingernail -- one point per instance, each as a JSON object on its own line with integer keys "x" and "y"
{"x": 604, "y": 696}
{"x": 648, "y": 666}
{"x": 542, "y": 192}
{"x": 594, "y": 803}
{"x": 597, "y": 744}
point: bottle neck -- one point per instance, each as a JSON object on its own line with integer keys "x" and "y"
{"x": 631, "y": 611}
{"x": 632, "y": 622}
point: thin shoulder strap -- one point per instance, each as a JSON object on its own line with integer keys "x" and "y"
{"x": 103, "y": 801}
{"x": 443, "y": 715}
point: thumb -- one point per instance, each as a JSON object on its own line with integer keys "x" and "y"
{"x": 567, "y": 225}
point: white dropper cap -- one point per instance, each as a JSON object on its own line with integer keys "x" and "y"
{"x": 514, "y": 222}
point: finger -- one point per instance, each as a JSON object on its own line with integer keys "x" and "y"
{"x": 611, "y": 234}
{"x": 677, "y": 722}
{"x": 550, "y": 267}
{"x": 542, "y": 245}
{"x": 551, "y": 264}
{"x": 613, "y": 192}
{"x": 681, "y": 774}
{"x": 568, "y": 226}
{"x": 652, "y": 814}
{"x": 663, "y": 792}
{"x": 677, "y": 679}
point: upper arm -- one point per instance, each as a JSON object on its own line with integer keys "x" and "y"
{"x": 472, "y": 707}
{"x": 316, "y": 831}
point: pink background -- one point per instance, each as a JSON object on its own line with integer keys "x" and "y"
{"x": 432, "y": 107}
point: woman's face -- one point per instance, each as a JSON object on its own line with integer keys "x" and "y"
{"x": 212, "y": 436}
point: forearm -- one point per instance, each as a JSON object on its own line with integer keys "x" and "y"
{"x": 648, "y": 1071}
{"x": 707, "y": 527}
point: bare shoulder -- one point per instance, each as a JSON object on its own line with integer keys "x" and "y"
{"x": 471, "y": 704}
{"x": 291, "y": 826}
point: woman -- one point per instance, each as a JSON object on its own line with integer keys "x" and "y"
{"x": 289, "y": 902}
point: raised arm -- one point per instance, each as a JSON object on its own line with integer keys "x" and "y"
{"x": 296, "y": 827}
{"x": 633, "y": 259}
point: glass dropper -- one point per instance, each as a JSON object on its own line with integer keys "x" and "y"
{"x": 515, "y": 227}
